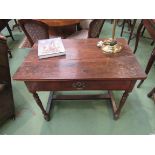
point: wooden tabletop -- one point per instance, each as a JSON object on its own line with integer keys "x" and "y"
{"x": 60, "y": 22}
{"x": 83, "y": 60}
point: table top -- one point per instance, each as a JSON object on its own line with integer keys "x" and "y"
{"x": 83, "y": 61}
{"x": 60, "y": 22}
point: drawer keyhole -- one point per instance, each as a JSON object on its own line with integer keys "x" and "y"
{"x": 78, "y": 85}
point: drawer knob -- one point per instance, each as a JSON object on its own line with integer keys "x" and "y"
{"x": 78, "y": 85}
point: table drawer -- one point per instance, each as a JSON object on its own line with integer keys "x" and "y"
{"x": 77, "y": 85}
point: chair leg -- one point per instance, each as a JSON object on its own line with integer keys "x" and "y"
{"x": 151, "y": 92}
{"x": 9, "y": 52}
{"x": 123, "y": 27}
{"x": 150, "y": 62}
{"x": 16, "y": 25}
{"x": 140, "y": 83}
{"x": 10, "y": 32}
{"x": 129, "y": 24}
{"x": 132, "y": 28}
{"x": 152, "y": 43}
{"x": 78, "y": 27}
{"x": 143, "y": 31}
{"x": 149, "y": 65}
{"x": 138, "y": 35}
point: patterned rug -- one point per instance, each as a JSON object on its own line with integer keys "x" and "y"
{"x": 25, "y": 43}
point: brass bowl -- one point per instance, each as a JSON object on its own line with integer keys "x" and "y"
{"x": 111, "y": 46}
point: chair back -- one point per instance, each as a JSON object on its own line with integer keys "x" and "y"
{"x": 34, "y": 30}
{"x": 150, "y": 26}
{"x": 95, "y": 28}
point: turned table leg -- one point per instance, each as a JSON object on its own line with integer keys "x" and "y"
{"x": 121, "y": 104}
{"x": 38, "y": 101}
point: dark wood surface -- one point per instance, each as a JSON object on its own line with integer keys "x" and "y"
{"x": 61, "y": 27}
{"x": 83, "y": 60}
{"x": 60, "y": 22}
{"x": 84, "y": 67}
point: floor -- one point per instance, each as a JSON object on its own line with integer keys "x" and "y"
{"x": 82, "y": 117}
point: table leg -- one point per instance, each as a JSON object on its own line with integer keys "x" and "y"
{"x": 121, "y": 104}
{"x": 38, "y": 101}
{"x": 109, "y": 96}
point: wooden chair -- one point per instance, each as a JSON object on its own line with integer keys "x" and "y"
{"x": 130, "y": 26}
{"x": 150, "y": 27}
{"x": 34, "y": 30}
{"x": 94, "y": 30}
{"x": 148, "y": 66}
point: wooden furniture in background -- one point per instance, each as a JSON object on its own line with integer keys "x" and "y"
{"x": 94, "y": 30}
{"x": 149, "y": 25}
{"x": 84, "y": 67}
{"x": 152, "y": 94}
{"x": 130, "y": 25}
{"x": 8, "y": 50}
{"x": 60, "y": 22}
{"x": 16, "y": 25}
{"x": 34, "y": 30}
{"x": 6, "y": 97}
{"x": 61, "y": 27}
{"x": 3, "y": 24}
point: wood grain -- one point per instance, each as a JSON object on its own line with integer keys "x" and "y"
{"x": 60, "y": 22}
{"x": 83, "y": 61}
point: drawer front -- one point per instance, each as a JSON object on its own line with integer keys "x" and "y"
{"x": 77, "y": 85}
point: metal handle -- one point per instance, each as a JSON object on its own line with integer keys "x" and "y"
{"x": 78, "y": 85}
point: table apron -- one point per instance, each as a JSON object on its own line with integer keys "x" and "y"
{"x": 34, "y": 86}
